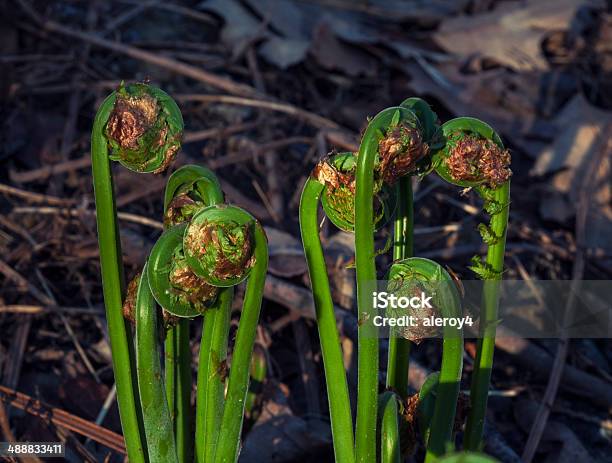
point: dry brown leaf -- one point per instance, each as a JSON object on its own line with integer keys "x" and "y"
{"x": 511, "y": 34}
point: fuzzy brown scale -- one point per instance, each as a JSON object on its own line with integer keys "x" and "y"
{"x": 419, "y": 332}
{"x": 189, "y": 287}
{"x": 225, "y": 268}
{"x": 325, "y": 173}
{"x": 129, "y": 303}
{"x": 175, "y": 213}
{"x": 409, "y": 425}
{"x": 169, "y": 320}
{"x": 131, "y": 118}
{"x": 206, "y": 235}
{"x": 170, "y": 151}
{"x": 221, "y": 369}
{"x": 340, "y": 189}
{"x": 399, "y": 152}
{"x": 477, "y": 159}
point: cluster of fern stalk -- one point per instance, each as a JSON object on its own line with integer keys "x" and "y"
{"x": 208, "y": 247}
{"x": 360, "y": 192}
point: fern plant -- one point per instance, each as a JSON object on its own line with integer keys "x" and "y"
{"x": 361, "y": 192}
{"x": 207, "y": 248}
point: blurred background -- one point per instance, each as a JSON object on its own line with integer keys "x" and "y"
{"x": 266, "y": 89}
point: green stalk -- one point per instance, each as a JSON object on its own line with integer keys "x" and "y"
{"x": 113, "y": 288}
{"x": 259, "y": 370}
{"x": 158, "y": 424}
{"x": 389, "y": 429}
{"x": 428, "y": 274}
{"x": 335, "y": 376}
{"x": 403, "y": 240}
{"x": 456, "y": 139}
{"x": 204, "y": 366}
{"x": 367, "y": 383}
{"x": 238, "y": 384}
{"x": 481, "y": 376}
{"x": 184, "y": 437}
{"x": 440, "y": 439}
{"x": 170, "y": 370}
{"x": 211, "y": 381}
{"x": 398, "y": 361}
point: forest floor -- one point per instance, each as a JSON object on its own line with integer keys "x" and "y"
{"x": 267, "y": 89}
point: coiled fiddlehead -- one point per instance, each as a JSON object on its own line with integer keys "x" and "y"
{"x": 175, "y": 286}
{"x": 218, "y": 245}
{"x": 189, "y": 189}
{"x": 141, "y": 127}
{"x": 470, "y": 154}
{"x": 405, "y": 279}
{"x": 144, "y": 129}
{"x": 337, "y": 173}
{"x": 189, "y": 275}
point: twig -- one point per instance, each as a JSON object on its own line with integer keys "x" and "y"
{"x": 152, "y": 186}
{"x": 539, "y": 362}
{"x": 134, "y": 218}
{"x": 12, "y": 369}
{"x": 232, "y": 193}
{"x": 307, "y": 116}
{"x": 525, "y": 276}
{"x": 108, "y": 402}
{"x": 274, "y": 191}
{"x": 17, "y": 229}
{"x": 342, "y": 140}
{"x": 265, "y": 201}
{"x": 62, "y": 419}
{"x": 300, "y": 300}
{"x": 40, "y": 309}
{"x": 451, "y": 227}
{"x": 35, "y": 197}
{"x": 584, "y": 201}
{"x": 261, "y": 150}
{"x": 47, "y": 171}
{"x": 118, "y": 21}
{"x": 182, "y": 10}
{"x": 23, "y": 283}
{"x": 201, "y": 135}
{"x": 69, "y": 329}
{"x": 602, "y": 423}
